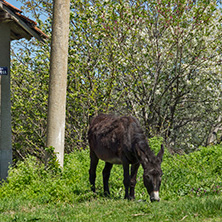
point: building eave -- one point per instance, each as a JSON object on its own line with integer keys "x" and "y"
{"x": 21, "y": 26}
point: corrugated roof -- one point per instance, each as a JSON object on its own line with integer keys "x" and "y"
{"x": 21, "y": 26}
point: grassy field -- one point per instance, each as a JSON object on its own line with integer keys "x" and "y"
{"x": 191, "y": 191}
{"x": 103, "y": 209}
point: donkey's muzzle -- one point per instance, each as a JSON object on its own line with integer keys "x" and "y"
{"x": 154, "y": 196}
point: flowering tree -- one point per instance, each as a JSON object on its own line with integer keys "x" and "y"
{"x": 160, "y": 60}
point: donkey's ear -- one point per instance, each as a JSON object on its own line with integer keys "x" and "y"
{"x": 160, "y": 154}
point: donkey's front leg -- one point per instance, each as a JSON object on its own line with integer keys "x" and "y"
{"x": 126, "y": 180}
{"x": 134, "y": 170}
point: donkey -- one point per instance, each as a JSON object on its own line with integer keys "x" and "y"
{"x": 120, "y": 140}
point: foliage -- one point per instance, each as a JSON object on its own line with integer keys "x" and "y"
{"x": 157, "y": 60}
{"x": 151, "y": 59}
{"x": 29, "y": 101}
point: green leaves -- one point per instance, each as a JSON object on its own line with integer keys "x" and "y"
{"x": 157, "y": 60}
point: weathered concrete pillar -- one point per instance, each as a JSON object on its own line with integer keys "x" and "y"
{"x": 58, "y": 77}
{"x": 5, "y": 102}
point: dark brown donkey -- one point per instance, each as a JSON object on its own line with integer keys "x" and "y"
{"x": 120, "y": 140}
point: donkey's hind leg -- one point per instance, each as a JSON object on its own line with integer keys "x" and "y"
{"x": 92, "y": 171}
{"x": 106, "y": 175}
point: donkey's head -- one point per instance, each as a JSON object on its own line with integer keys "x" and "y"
{"x": 152, "y": 175}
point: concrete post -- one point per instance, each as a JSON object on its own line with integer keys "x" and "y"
{"x": 58, "y": 78}
{"x": 5, "y": 102}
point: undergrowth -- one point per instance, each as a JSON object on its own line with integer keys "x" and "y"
{"x": 194, "y": 175}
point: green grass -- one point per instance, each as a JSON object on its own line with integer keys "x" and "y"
{"x": 105, "y": 209}
{"x": 191, "y": 191}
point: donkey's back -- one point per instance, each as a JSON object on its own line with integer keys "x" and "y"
{"x": 113, "y": 138}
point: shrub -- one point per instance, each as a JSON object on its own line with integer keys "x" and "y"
{"x": 197, "y": 173}
{"x": 194, "y": 174}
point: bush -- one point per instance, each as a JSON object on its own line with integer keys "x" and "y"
{"x": 195, "y": 174}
